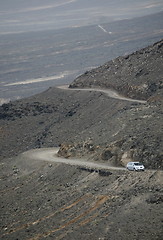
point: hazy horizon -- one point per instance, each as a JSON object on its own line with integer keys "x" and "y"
{"x": 82, "y": 35}
{"x": 35, "y": 15}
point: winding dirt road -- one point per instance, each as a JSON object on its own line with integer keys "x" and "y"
{"x": 110, "y": 93}
{"x": 50, "y": 155}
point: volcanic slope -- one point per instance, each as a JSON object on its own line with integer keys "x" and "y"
{"x": 46, "y": 200}
{"x": 138, "y": 75}
{"x": 90, "y": 122}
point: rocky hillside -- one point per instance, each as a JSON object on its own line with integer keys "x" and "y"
{"x": 138, "y": 75}
{"x": 48, "y": 200}
{"x": 89, "y": 123}
{"x": 42, "y": 200}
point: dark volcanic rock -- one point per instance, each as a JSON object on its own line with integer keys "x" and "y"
{"x": 11, "y": 111}
{"x": 91, "y": 123}
{"x": 138, "y": 75}
{"x": 41, "y": 199}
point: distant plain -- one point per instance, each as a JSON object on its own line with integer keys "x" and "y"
{"x": 31, "y": 62}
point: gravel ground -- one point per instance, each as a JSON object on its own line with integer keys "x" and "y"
{"x": 45, "y": 200}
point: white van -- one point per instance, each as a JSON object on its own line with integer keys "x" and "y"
{"x": 135, "y": 166}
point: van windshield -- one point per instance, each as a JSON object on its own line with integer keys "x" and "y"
{"x": 138, "y": 164}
